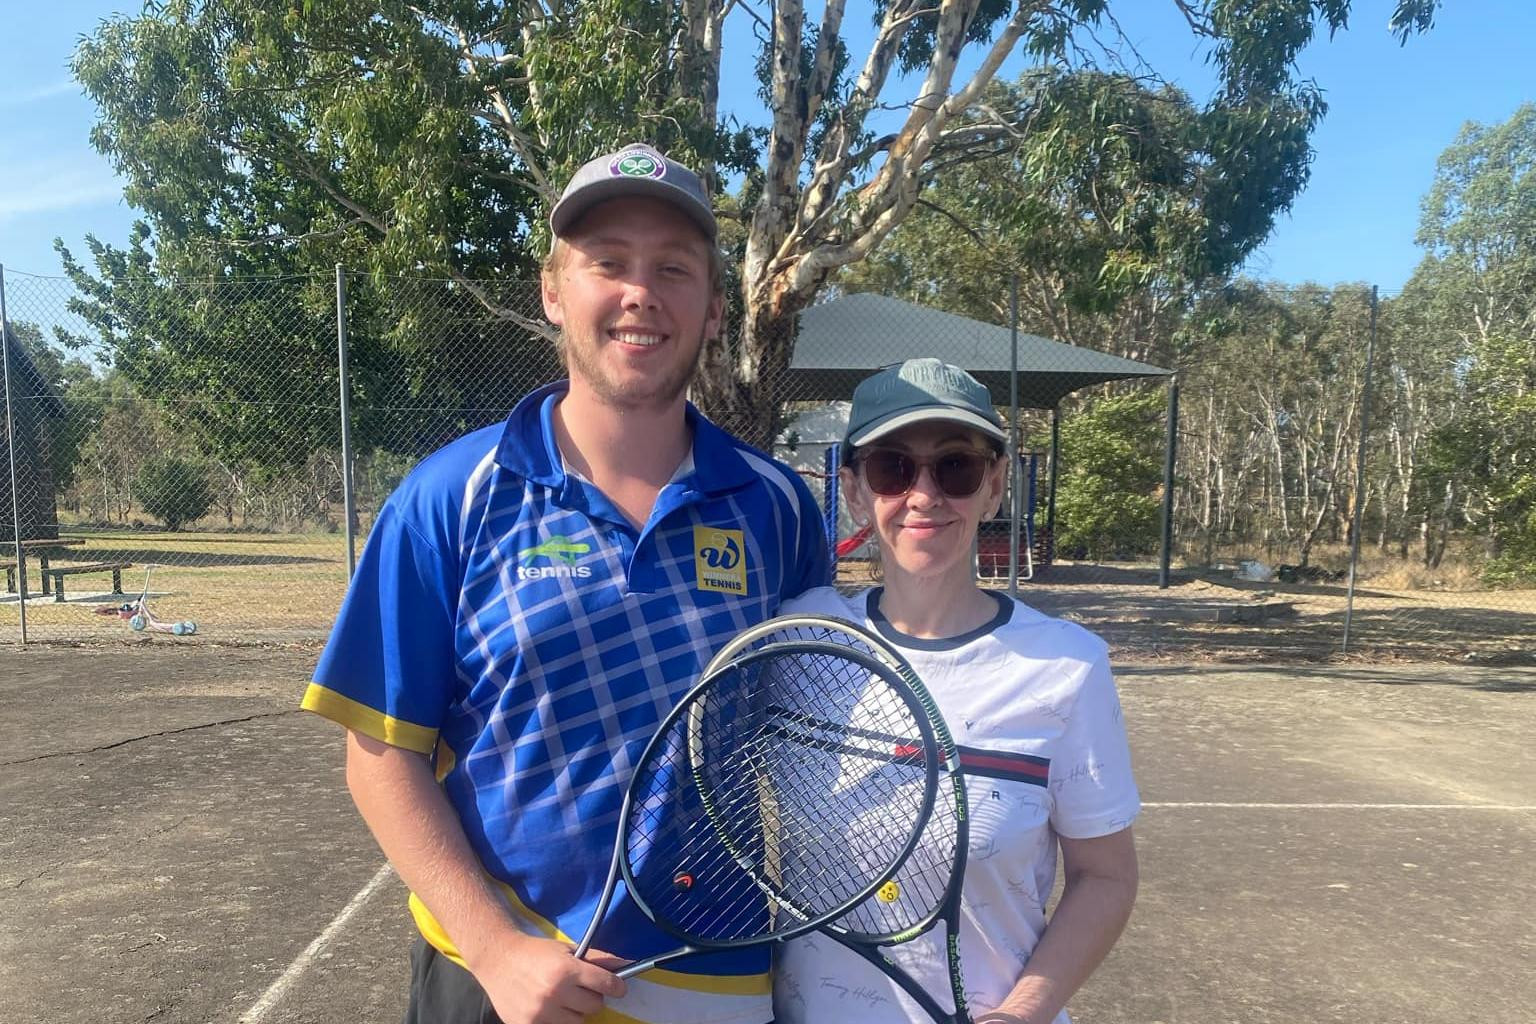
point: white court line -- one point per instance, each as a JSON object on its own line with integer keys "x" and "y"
{"x": 1351, "y": 807}
{"x": 279, "y": 988}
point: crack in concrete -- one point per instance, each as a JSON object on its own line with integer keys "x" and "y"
{"x": 155, "y": 939}
{"x": 153, "y": 735}
{"x": 30, "y": 878}
{"x": 162, "y": 831}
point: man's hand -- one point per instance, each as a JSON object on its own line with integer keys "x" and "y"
{"x": 538, "y": 981}
{"x": 529, "y": 980}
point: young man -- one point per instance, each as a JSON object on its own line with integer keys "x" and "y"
{"x": 531, "y": 601}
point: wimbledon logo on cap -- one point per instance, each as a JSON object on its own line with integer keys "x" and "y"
{"x": 561, "y": 550}
{"x": 638, "y": 163}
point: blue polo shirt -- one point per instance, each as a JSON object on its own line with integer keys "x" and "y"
{"x": 506, "y": 619}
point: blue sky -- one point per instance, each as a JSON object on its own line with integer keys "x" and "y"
{"x": 1392, "y": 110}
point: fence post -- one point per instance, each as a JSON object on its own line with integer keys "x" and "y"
{"x": 1050, "y": 512}
{"x": 1173, "y": 444}
{"x": 1365, "y": 425}
{"x": 349, "y": 496}
{"x": 10, "y": 447}
{"x": 1013, "y": 437}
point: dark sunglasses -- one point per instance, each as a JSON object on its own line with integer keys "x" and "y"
{"x": 891, "y": 473}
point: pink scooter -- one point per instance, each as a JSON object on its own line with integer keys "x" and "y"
{"x": 140, "y": 618}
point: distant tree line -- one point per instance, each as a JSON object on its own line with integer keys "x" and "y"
{"x": 420, "y": 144}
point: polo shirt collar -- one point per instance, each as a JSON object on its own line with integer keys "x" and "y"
{"x": 528, "y": 446}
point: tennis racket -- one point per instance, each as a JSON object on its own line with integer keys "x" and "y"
{"x": 925, "y": 888}
{"x": 759, "y": 810}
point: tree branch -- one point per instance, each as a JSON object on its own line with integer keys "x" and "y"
{"x": 881, "y": 204}
{"x": 521, "y": 145}
{"x": 538, "y": 327}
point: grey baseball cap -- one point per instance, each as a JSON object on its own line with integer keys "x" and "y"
{"x": 635, "y": 170}
{"x": 917, "y": 391}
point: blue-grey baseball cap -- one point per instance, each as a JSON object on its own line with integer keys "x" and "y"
{"x": 635, "y": 170}
{"x": 917, "y": 391}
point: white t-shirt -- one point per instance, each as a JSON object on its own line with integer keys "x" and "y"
{"x": 1023, "y": 684}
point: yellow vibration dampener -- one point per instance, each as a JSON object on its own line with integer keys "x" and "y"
{"x": 890, "y": 892}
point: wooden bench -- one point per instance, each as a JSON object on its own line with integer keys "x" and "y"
{"x": 58, "y": 572}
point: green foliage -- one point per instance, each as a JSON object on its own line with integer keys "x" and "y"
{"x": 174, "y": 490}
{"x": 1477, "y": 288}
{"x": 273, "y": 140}
{"x": 1111, "y": 478}
{"x": 1116, "y": 199}
{"x": 1274, "y": 381}
{"x": 247, "y": 369}
{"x": 342, "y": 131}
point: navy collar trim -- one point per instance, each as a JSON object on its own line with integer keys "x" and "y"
{"x": 528, "y": 446}
{"x": 949, "y": 643}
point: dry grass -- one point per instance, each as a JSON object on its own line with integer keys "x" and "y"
{"x": 285, "y": 588}
{"x": 1124, "y": 603}
{"x": 1460, "y": 569}
{"x": 236, "y": 586}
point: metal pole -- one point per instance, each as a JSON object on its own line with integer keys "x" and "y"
{"x": 830, "y": 460}
{"x": 10, "y": 444}
{"x": 1050, "y": 511}
{"x": 1013, "y": 439}
{"x": 349, "y": 496}
{"x": 1173, "y": 445}
{"x": 1365, "y": 426}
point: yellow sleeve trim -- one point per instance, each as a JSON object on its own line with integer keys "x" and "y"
{"x": 397, "y": 732}
{"x": 732, "y": 985}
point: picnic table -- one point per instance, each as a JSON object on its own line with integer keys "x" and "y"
{"x": 44, "y": 547}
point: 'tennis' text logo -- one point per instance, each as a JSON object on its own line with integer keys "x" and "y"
{"x": 560, "y": 550}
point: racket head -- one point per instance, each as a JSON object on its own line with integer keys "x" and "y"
{"x": 737, "y": 821}
{"x": 925, "y": 887}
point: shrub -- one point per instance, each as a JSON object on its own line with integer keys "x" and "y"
{"x": 1111, "y": 455}
{"x": 174, "y": 490}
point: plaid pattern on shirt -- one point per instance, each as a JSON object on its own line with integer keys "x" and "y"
{"x": 508, "y": 613}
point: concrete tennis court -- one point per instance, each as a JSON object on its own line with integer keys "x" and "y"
{"x": 1321, "y": 843}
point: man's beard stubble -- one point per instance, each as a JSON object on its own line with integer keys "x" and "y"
{"x": 657, "y": 392}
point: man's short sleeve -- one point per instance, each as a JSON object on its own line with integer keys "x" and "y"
{"x": 1093, "y": 788}
{"x": 388, "y": 669}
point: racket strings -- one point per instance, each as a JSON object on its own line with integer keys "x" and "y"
{"x": 777, "y": 798}
{"x": 919, "y": 886}
{"x": 921, "y": 883}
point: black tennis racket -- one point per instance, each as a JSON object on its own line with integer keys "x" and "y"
{"x": 925, "y": 888}
{"x": 760, "y": 810}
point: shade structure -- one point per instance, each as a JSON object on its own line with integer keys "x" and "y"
{"x": 843, "y": 340}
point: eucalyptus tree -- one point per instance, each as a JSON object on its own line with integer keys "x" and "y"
{"x": 429, "y": 137}
{"x": 1478, "y": 282}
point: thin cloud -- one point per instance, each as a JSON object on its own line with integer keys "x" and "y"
{"x": 36, "y": 94}
{"x": 24, "y": 197}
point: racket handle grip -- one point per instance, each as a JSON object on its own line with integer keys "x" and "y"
{"x": 629, "y": 970}
{"x": 641, "y": 966}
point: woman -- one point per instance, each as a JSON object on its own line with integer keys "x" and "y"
{"x": 923, "y": 462}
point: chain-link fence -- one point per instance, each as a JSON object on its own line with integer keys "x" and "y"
{"x": 181, "y": 453}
